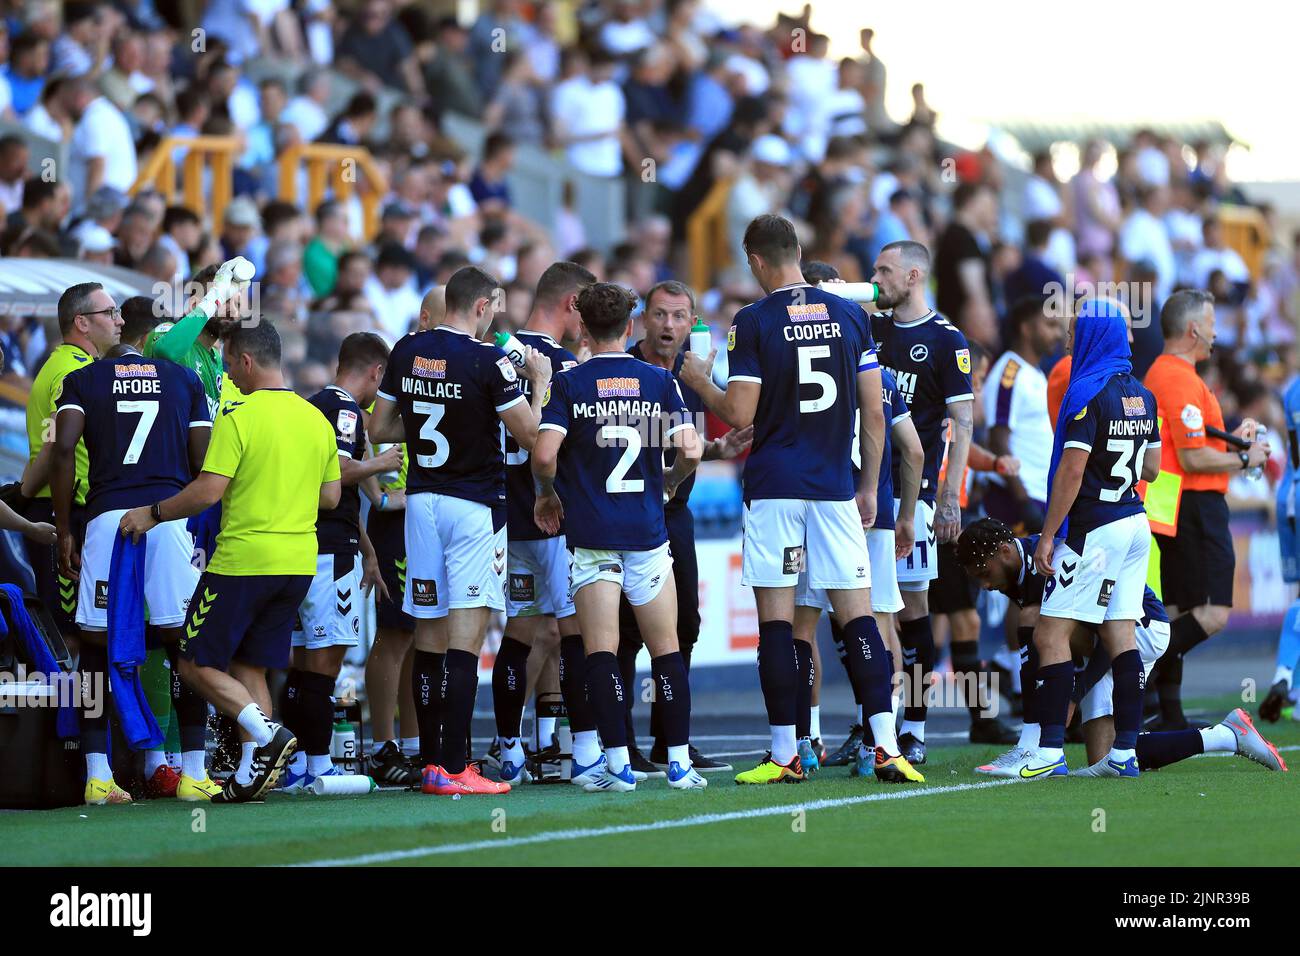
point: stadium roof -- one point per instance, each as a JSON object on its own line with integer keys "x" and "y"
{"x": 33, "y": 286}
{"x": 1034, "y": 136}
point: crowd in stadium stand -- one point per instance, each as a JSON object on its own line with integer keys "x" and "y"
{"x": 607, "y": 85}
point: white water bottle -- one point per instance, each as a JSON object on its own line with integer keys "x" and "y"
{"x": 512, "y": 347}
{"x": 1261, "y": 434}
{"x": 701, "y": 340}
{"x": 386, "y": 478}
{"x": 343, "y": 784}
{"x": 864, "y": 293}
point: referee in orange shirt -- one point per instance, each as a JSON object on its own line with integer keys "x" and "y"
{"x": 1197, "y": 562}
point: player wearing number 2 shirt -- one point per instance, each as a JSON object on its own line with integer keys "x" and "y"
{"x": 802, "y": 368}
{"x": 599, "y": 467}
{"x": 452, "y": 393}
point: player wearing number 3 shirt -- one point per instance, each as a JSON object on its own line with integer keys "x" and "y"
{"x": 454, "y": 393}
{"x": 1096, "y": 538}
{"x": 802, "y": 365}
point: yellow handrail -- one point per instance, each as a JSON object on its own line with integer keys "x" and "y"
{"x": 160, "y": 172}
{"x": 706, "y": 236}
{"x": 1246, "y": 231}
{"x": 334, "y": 167}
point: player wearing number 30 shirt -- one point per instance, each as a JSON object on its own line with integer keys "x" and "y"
{"x": 1096, "y": 537}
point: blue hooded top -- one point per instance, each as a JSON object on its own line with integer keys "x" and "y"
{"x": 1101, "y": 351}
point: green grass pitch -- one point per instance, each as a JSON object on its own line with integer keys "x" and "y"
{"x": 1213, "y": 810}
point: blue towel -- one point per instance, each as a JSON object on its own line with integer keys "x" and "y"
{"x": 36, "y": 650}
{"x": 1101, "y": 351}
{"x": 126, "y": 650}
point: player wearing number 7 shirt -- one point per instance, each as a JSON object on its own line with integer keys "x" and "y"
{"x": 453, "y": 393}
{"x": 1096, "y": 538}
{"x": 802, "y": 364}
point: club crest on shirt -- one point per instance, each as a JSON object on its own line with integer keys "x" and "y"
{"x": 963, "y": 360}
{"x": 620, "y": 387}
{"x": 1135, "y": 406}
{"x": 731, "y": 338}
{"x": 347, "y": 422}
{"x": 507, "y": 369}
{"x": 429, "y": 367}
{"x": 919, "y": 352}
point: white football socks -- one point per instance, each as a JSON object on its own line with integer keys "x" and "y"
{"x": 784, "y": 746}
{"x": 192, "y": 764}
{"x": 512, "y": 749}
{"x": 681, "y": 755}
{"x": 816, "y": 723}
{"x": 914, "y": 727}
{"x": 1219, "y": 739}
{"x": 617, "y": 757}
{"x": 1028, "y": 736}
{"x": 586, "y": 748}
{"x": 318, "y": 764}
{"x": 153, "y": 759}
{"x": 244, "y": 774}
{"x": 882, "y": 729}
{"x": 256, "y": 725}
{"x": 97, "y": 767}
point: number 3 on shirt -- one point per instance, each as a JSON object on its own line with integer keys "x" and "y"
{"x": 809, "y": 376}
{"x": 1127, "y": 466}
{"x": 429, "y": 433}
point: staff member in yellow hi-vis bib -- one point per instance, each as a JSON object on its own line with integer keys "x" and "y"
{"x": 1186, "y": 505}
{"x": 91, "y": 324}
{"x": 273, "y": 463}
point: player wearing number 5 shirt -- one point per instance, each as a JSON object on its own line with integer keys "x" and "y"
{"x": 454, "y": 394}
{"x": 802, "y": 366}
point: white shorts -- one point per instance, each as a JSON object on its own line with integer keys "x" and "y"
{"x": 330, "y": 615}
{"x": 1108, "y": 580}
{"x": 885, "y": 598}
{"x": 455, "y": 557}
{"x": 641, "y": 574}
{"x": 169, "y": 577}
{"x": 918, "y": 569}
{"x": 784, "y": 536}
{"x": 1152, "y": 641}
{"x": 537, "y": 578}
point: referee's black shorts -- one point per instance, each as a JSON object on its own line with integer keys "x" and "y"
{"x": 1197, "y": 564}
{"x": 953, "y": 590}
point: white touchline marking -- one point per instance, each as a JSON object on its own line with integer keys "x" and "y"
{"x": 700, "y": 820}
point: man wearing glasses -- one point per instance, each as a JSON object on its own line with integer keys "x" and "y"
{"x": 91, "y": 324}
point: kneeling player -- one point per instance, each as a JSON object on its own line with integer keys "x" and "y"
{"x": 329, "y": 620}
{"x": 608, "y": 417}
{"x": 992, "y": 555}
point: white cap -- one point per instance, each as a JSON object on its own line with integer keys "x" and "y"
{"x": 771, "y": 149}
{"x": 95, "y": 238}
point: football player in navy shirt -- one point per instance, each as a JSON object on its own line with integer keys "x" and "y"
{"x": 146, "y": 427}
{"x": 447, "y": 395}
{"x": 801, "y": 366}
{"x": 667, "y": 319}
{"x": 599, "y": 466}
{"x": 1106, "y": 441}
{"x": 539, "y": 610}
{"x": 999, "y": 561}
{"x": 329, "y": 618}
{"x": 931, "y": 363}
